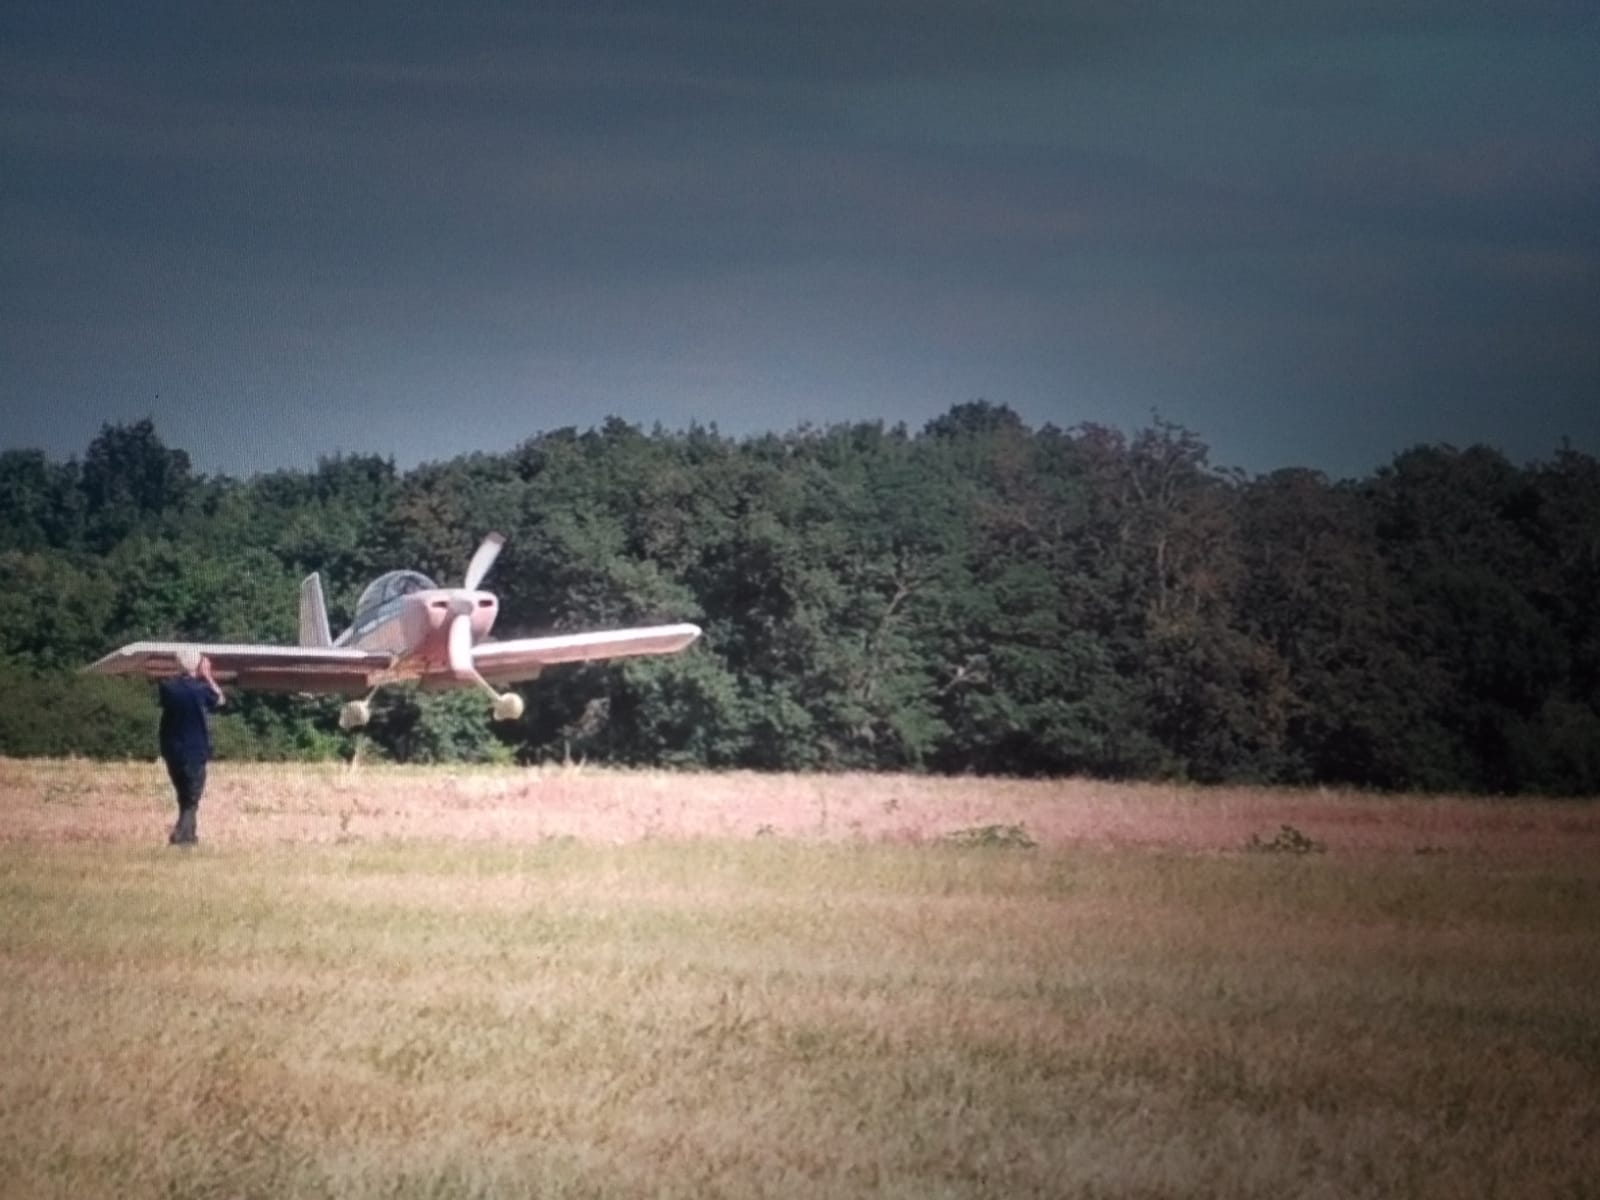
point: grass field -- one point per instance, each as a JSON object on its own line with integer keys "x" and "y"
{"x": 408, "y": 983}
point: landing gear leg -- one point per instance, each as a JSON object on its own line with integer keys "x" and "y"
{"x": 508, "y": 706}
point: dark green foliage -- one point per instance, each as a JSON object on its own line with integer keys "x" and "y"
{"x": 41, "y": 502}
{"x": 130, "y": 480}
{"x": 58, "y": 714}
{"x": 420, "y": 727}
{"x": 68, "y": 714}
{"x": 276, "y": 728}
{"x": 979, "y": 596}
{"x": 56, "y": 609}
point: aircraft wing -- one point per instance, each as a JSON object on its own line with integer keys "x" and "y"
{"x": 524, "y": 658}
{"x": 261, "y": 668}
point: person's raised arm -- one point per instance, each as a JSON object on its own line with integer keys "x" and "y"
{"x": 211, "y": 682}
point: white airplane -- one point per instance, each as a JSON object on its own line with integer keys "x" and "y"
{"x": 406, "y": 629}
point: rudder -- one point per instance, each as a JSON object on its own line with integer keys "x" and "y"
{"x": 313, "y": 613}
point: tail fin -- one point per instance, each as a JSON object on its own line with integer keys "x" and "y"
{"x": 313, "y": 613}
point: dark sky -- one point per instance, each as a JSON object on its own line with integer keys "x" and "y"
{"x": 1316, "y": 233}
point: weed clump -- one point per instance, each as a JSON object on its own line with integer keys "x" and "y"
{"x": 1288, "y": 840}
{"x": 1008, "y": 837}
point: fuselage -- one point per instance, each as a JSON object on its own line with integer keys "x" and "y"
{"x": 415, "y": 628}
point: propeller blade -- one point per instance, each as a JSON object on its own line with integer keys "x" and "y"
{"x": 461, "y": 645}
{"x": 482, "y": 560}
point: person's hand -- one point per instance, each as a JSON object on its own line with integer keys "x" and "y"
{"x": 204, "y": 671}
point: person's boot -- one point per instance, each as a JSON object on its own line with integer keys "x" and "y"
{"x": 183, "y": 834}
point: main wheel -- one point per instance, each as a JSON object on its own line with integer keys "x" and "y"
{"x": 508, "y": 706}
{"x": 355, "y": 714}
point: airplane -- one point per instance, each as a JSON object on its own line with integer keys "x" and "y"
{"x": 406, "y": 629}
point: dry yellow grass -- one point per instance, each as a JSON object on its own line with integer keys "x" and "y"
{"x": 253, "y": 804}
{"x": 496, "y": 983}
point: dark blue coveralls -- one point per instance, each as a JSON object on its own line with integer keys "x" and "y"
{"x": 186, "y": 747}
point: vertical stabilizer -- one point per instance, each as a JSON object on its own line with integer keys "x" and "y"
{"x": 313, "y": 613}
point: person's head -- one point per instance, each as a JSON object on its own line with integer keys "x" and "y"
{"x": 188, "y": 660}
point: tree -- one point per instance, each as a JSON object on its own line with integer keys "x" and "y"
{"x": 40, "y": 500}
{"x": 1460, "y": 535}
{"x": 449, "y": 727}
{"x": 55, "y": 609}
{"x": 129, "y": 477}
{"x": 980, "y": 596}
{"x": 58, "y": 714}
{"x": 1319, "y": 592}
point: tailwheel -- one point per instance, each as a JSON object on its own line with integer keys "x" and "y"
{"x": 355, "y": 714}
{"x": 508, "y": 706}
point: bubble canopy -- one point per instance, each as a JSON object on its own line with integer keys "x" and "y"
{"x": 382, "y": 598}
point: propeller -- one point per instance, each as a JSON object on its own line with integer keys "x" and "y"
{"x": 482, "y": 559}
{"x": 461, "y": 645}
{"x": 508, "y": 706}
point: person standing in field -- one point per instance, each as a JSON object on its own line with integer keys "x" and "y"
{"x": 185, "y": 738}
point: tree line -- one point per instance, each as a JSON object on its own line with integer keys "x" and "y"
{"x": 976, "y": 596}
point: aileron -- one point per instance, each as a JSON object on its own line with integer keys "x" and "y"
{"x": 524, "y": 658}
{"x": 157, "y": 660}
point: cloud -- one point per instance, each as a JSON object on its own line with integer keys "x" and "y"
{"x": 1232, "y": 206}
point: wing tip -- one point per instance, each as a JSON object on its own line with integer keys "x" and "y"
{"x": 103, "y": 664}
